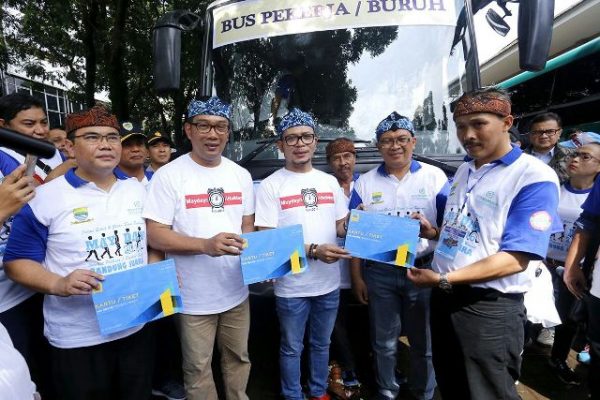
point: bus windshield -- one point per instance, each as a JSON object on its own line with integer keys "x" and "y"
{"x": 348, "y": 78}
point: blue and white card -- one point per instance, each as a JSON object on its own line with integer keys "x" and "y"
{"x": 382, "y": 238}
{"x": 136, "y": 296}
{"x": 273, "y": 253}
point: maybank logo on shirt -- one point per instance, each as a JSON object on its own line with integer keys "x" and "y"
{"x": 215, "y": 198}
{"x": 309, "y": 198}
{"x": 81, "y": 215}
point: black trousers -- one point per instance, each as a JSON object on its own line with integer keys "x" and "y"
{"x": 119, "y": 370}
{"x": 477, "y": 338}
{"x": 341, "y": 349}
{"x": 593, "y": 307}
{"x": 565, "y": 332}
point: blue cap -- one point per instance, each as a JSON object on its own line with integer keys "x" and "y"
{"x": 394, "y": 120}
{"x": 212, "y": 106}
{"x": 295, "y": 117}
{"x": 581, "y": 139}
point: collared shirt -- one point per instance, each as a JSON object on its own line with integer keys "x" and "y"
{"x": 544, "y": 157}
{"x": 423, "y": 189}
{"x": 73, "y": 224}
{"x": 119, "y": 173}
{"x": 11, "y": 293}
{"x": 512, "y": 206}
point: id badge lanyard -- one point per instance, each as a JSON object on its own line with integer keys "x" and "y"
{"x": 470, "y": 189}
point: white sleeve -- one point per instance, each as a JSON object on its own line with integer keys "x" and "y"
{"x": 248, "y": 194}
{"x": 267, "y": 206}
{"x": 341, "y": 208}
{"x": 161, "y": 199}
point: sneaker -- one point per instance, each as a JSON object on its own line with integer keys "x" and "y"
{"x": 170, "y": 390}
{"x": 350, "y": 379}
{"x": 546, "y": 337}
{"x": 584, "y": 356}
{"x": 564, "y": 372}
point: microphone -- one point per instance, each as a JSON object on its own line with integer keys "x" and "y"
{"x": 26, "y": 144}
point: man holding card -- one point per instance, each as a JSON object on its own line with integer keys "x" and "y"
{"x": 300, "y": 194}
{"x": 500, "y": 213}
{"x": 400, "y": 187}
{"x": 197, "y": 207}
{"x": 52, "y": 238}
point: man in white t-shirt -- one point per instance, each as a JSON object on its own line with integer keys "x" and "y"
{"x": 63, "y": 242}
{"x": 197, "y": 207}
{"x": 400, "y": 187}
{"x": 300, "y": 194}
{"x": 499, "y": 215}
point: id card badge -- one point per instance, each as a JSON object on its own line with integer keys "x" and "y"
{"x": 451, "y": 238}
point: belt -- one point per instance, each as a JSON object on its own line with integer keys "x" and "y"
{"x": 470, "y": 294}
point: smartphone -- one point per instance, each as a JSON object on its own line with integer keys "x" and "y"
{"x": 30, "y": 162}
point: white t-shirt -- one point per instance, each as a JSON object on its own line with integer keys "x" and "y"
{"x": 423, "y": 189}
{"x": 15, "y": 381}
{"x": 201, "y": 202}
{"x": 569, "y": 209}
{"x": 315, "y": 200}
{"x": 512, "y": 206}
{"x": 72, "y": 224}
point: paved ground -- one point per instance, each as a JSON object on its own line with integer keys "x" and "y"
{"x": 537, "y": 381}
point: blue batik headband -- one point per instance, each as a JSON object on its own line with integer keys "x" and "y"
{"x": 212, "y": 106}
{"x": 394, "y": 120}
{"x": 295, "y": 117}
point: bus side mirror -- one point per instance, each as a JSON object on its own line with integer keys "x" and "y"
{"x": 536, "y": 18}
{"x": 166, "y": 48}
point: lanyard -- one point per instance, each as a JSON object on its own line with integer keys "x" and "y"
{"x": 470, "y": 189}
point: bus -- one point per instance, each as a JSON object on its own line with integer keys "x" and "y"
{"x": 569, "y": 85}
{"x": 349, "y": 63}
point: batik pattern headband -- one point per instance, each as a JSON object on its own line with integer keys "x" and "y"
{"x": 212, "y": 106}
{"x": 295, "y": 117}
{"x": 95, "y": 116}
{"x": 482, "y": 104}
{"x": 392, "y": 122}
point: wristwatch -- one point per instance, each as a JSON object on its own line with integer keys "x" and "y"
{"x": 443, "y": 283}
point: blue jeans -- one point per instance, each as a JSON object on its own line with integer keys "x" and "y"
{"x": 294, "y": 314}
{"x": 393, "y": 299}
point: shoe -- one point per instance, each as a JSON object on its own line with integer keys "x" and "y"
{"x": 401, "y": 378}
{"x": 564, "y": 372}
{"x": 350, "y": 379}
{"x": 171, "y": 391}
{"x": 335, "y": 383}
{"x": 546, "y": 337}
{"x": 584, "y": 356}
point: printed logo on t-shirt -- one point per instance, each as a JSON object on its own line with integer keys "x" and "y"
{"x": 377, "y": 198}
{"x": 540, "y": 220}
{"x": 309, "y": 198}
{"x": 81, "y": 215}
{"x": 216, "y": 199}
{"x": 116, "y": 249}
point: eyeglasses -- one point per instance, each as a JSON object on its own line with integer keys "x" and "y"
{"x": 390, "y": 142}
{"x": 583, "y": 156}
{"x": 96, "y": 138}
{"x": 547, "y": 132}
{"x": 306, "y": 138}
{"x": 203, "y": 127}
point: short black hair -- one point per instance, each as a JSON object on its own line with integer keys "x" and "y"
{"x": 14, "y": 103}
{"x": 547, "y": 116}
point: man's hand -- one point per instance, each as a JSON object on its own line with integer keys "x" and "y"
{"x": 78, "y": 282}
{"x": 330, "y": 253}
{"x": 575, "y": 281}
{"x": 359, "y": 288}
{"x": 426, "y": 230}
{"x": 423, "y": 277}
{"x": 15, "y": 191}
{"x": 224, "y": 244}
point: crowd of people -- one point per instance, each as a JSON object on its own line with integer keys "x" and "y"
{"x": 484, "y": 236}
